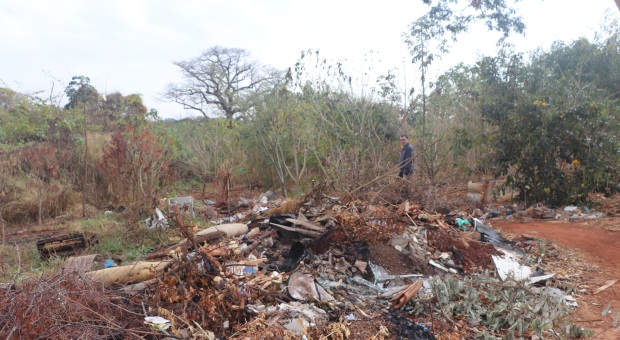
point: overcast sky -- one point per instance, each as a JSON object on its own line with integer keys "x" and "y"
{"x": 129, "y": 45}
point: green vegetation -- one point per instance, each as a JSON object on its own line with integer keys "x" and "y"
{"x": 100, "y": 224}
{"x": 115, "y": 241}
{"x": 24, "y": 262}
{"x": 546, "y": 121}
{"x": 509, "y": 307}
{"x": 118, "y": 247}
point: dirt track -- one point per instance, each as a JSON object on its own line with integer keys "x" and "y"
{"x": 598, "y": 245}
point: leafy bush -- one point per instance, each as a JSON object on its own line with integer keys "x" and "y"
{"x": 557, "y": 132}
{"x": 509, "y": 308}
{"x": 559, "y": 156}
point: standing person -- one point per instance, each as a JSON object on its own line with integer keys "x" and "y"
{"x": 406, "y": 158}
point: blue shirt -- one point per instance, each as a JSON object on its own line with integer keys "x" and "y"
{"x": 406, "y": 159}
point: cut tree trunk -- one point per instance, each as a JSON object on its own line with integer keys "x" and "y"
{"x": 138, "y": 272}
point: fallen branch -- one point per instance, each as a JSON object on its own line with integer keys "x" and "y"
{"x": 203, "y": 252}
{"x": 607, "y": 284}
{"x": 594, "y": 320}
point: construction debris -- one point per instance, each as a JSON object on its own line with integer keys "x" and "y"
{"x": 302, "y": 287}
{"x": 309, "y": 269}
{"x": 184, "y": 205}
{"x": 83, "y": 264}
{"x": 156, "y": 221}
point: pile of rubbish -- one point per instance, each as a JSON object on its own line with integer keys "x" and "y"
{"x": 322, "y": 269}
{"x": 540, "y": 212}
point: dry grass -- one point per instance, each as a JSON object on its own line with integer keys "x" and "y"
{"x": 258, "y": 329}
{"x": 21, "y": 204}
{"x": 290, "y": 206}
{"x": 96, "y": 142}
{"x": 608, "y": 205}
{"x": 74, "y": 212}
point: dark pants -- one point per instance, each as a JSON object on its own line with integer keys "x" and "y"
{"x": 404, "y": 190}
{"x": 407, "y": 175}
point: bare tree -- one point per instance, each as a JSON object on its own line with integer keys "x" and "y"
{"x": 217, "y": 82}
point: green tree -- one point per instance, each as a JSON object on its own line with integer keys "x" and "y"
{"x": 23, "y": 118}
{"x": 80, "y": 91}
{"x": 453, "y": 17}
{"x": 455, "y": 104}
{"x": 429, "y": 37}
{"x": 82, "y": 96}
{"x": 557, "y": 136}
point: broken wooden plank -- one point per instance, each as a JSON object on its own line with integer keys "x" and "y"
{"x": 308, "y": 224}
{"x": 230, "y": 229}
{"x": 255, "y": 262}
{"x": 324, "y": 218}
{"x": 393, "y": 291}
{"x": 297, "y": 230}
{"x": 405, "y": 296}
{"x": 202, "y": 237}
{"x": 442, "y": 224}
{"x": 437, "y": 265}
{"x": 607, "y": 284}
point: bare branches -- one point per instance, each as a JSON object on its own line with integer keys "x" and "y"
{"x": 62, "y": 306}
{"x": 220, "y": 78}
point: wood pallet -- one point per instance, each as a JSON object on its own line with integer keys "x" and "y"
{"x": 66, "y": 244}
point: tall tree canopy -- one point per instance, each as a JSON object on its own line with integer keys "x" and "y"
{"x": 217, "y": 81}
{"x": 455, "y": 16}
{"x": 80, "y": 90}
{"x": 452, "y": 17}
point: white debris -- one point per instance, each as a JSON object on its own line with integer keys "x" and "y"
{"x": 158, "y": 322}
{"x": 156, "y": 221}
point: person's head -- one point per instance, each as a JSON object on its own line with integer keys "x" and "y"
{"x": 404, "y": 140}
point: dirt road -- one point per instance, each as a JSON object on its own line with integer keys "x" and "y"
{"x": 599, "y": 243}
